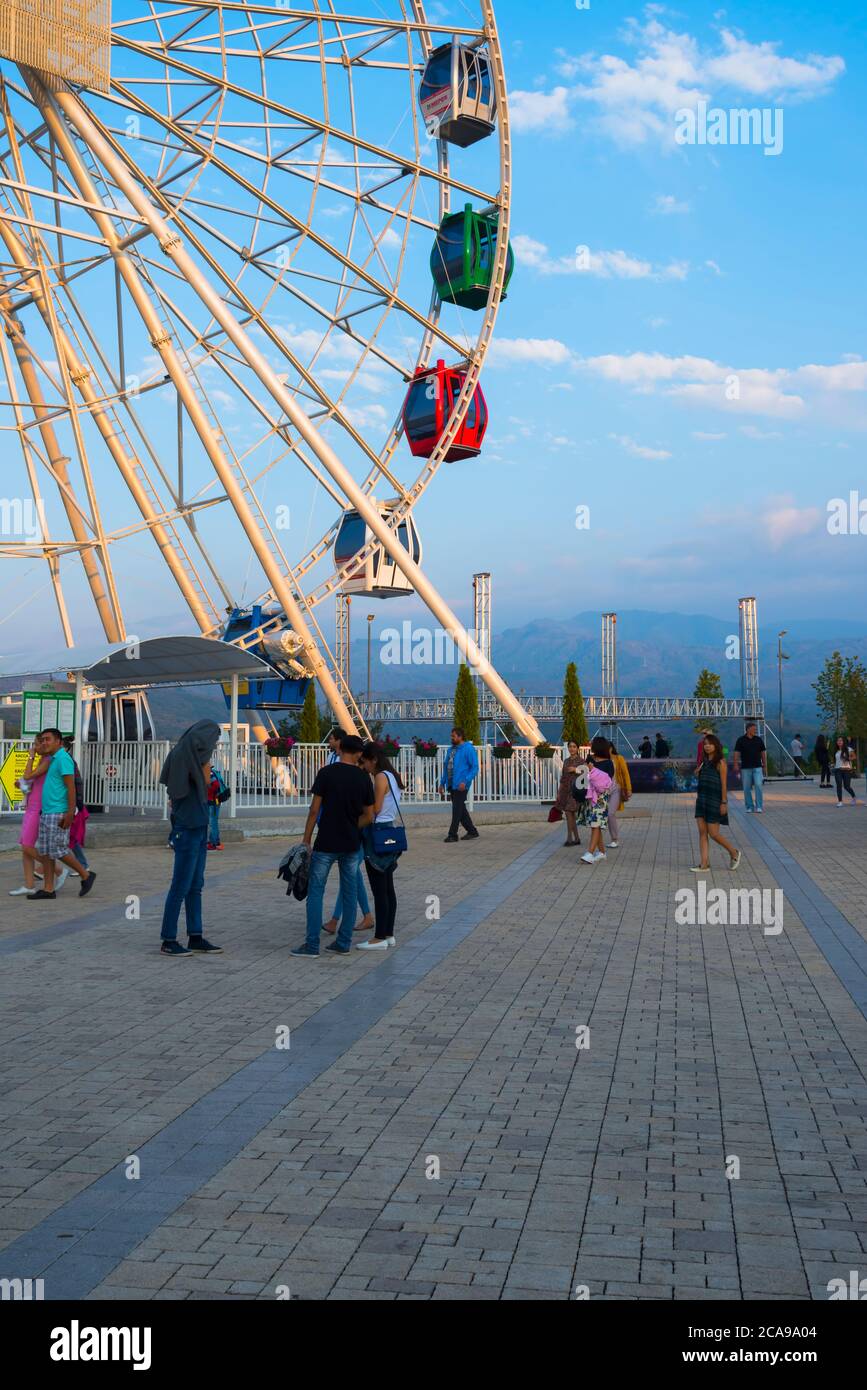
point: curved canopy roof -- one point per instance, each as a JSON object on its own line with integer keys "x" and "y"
{"x": 175, "y": 661}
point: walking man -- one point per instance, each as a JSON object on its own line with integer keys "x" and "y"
{"x": 752, "y": 759}
{"x": 55, "y": 820}
{"x": 459, "y": 770}
{"x": 342, "y": 805}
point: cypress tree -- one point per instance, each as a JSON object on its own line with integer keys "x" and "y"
{"x": 467, "y": 706}
{"x": 308, "y": 724}
{"x": 574, "y": 721}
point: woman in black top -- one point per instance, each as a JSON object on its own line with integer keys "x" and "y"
{"x": 711, "y": 803}
{"x": 823, "y": 758}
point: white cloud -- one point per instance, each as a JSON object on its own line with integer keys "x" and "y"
{"x": 759, "y": 69}
{"x": 704, "y": 434}
{"x": 753, "y": 432}
{"x": 540, "y": 110}
{"x": 666, "y": 204}
{"x": 605, "y": 265}
{"x": 635, "y": 101}
{"x": 712, "y": 265}
{"x": 545, "y": 352}
{"x": 782, "y": 520}
{"x": 639, "y": 450}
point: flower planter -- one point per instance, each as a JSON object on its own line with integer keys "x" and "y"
{"x": 544, "y": 750}
{"x": 422, "y": 751}
{"x": 502, "y": 751}
{"x": 279, "y": 747}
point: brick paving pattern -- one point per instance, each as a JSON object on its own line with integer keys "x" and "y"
{"x": 444, "y": 1136}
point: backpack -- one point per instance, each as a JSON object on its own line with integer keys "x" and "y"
{"x": 580, "y": 784}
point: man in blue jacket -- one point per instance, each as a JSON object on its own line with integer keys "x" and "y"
{"x": 460, "y": 768}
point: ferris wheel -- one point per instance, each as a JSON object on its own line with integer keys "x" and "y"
{"x": 251, "y": 259}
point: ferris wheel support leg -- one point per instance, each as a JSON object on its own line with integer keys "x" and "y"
{"x": 173, "y": 247}
{"x": 161, "y": 340}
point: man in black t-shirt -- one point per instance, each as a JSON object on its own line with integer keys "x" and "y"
{"x": 342, "y": 804}
{"x": 752, "y": 759}
{"x": 661, "y": 750}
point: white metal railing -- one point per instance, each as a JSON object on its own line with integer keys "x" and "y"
{"x": 126, "y": 775}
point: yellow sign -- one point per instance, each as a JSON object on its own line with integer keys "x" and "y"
{"x": 13, "y": 767}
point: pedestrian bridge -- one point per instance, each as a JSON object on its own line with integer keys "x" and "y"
{"x": 620, "y": 709}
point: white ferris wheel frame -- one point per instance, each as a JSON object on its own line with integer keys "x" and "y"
{"x": 93, "y": 161}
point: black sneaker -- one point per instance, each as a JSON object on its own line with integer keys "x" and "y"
{"x": 304, "y": 950}
{"x": 198, "y": 943}
{"x": 39, "y": 895}
{"x": 450, "y": 840}
{"x": 174, "y": 948}
{"x": 87, "y": 884}
{"x": 471, "y": 835}
{"x": 341, "y": 950}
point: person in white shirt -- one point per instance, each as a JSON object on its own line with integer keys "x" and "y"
{"x": 387, "y": 787}
{"x": 796, "y": 748}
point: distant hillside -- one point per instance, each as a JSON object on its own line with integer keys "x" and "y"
{"x": 658, "y": 654}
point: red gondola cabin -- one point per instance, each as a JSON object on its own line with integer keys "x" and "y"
{"x": 427, "y": 409}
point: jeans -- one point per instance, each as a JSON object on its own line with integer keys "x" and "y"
{"x": 843, "y": 778}
{"x": 213, "y": 822}
{"x": 385, "y": 900}
{"x": 825, "y": 771}
{"x": 188, "y": 880}
{"x": 363, "y": 900}
{"x": 78, "y": 851}
{"x": 752, "y": 777}
{"x": 320, "y": 867}
{"x": 460, "y": 814}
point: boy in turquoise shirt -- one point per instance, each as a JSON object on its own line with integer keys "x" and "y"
{"x": 58, "y": 813}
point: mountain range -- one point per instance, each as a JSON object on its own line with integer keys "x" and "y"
{"x": 657, "y": 654}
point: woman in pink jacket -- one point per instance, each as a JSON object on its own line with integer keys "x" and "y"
{"x": 601, "y": 777}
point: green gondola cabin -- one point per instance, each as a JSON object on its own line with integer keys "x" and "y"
{"x": 462, "y": 258}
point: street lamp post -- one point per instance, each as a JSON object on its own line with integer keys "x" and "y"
{"x": 370, "y": 618}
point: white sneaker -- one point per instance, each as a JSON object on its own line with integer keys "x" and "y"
{"x": 749, "y": 810}
{"x": 839, "y": 805}
{"x": 597, "y": 856}
{"x": 19, "y": 892}
{"x": 760, "y": 810}
{"x": 737, "y": 859}
{"x": 61, "y": 878}
{"x": 612, "y": 844}
{"x": 589, "y": 858}
{"x": 372, "y": 945}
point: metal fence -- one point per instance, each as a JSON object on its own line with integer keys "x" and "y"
{"x": 125, "y": 775}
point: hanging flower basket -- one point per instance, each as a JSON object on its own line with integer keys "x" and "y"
{"x": 425, "y": 748}
{"x": 279, "y": 747}
{"x": 502, "y": 750}
{"x": 390, "y": 746}
{"x": 544, "y": 750}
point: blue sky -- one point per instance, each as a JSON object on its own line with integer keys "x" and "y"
{"x": 607, "y": 386}
{"x": 699, "y": 381}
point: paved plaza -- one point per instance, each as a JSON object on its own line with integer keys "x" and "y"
{"x": 441, "y": 1125}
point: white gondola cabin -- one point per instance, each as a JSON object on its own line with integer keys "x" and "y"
{"x": 377, "y": 576}
{"x": 457, "y": 98}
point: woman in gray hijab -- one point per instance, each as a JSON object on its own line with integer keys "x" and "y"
{"x": 186, "y": 774}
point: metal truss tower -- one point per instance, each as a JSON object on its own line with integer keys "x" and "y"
{"x": 749, "y": 642}
{"x": 482, "y": 628}
{"x": 342, "y": 633}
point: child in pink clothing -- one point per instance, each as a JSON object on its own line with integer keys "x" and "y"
{"x": 34, "y": 773}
